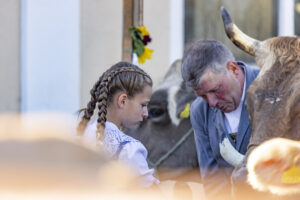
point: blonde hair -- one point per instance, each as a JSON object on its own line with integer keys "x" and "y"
{"x": 122, "y": 76}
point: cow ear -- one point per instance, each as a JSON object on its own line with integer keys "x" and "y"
{"x": 184, "y": 98}
{"x": 275, "y": 166}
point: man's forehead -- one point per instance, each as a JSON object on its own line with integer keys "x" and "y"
{"x": 209, "y": 79}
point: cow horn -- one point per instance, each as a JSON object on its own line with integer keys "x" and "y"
{"x": 230, "y": 154}
{"x": 239, "y": 38}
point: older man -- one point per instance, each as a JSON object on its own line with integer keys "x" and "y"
{"x": 219, "y": 113}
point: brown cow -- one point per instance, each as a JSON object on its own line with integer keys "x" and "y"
{"x": 273, "y": 99}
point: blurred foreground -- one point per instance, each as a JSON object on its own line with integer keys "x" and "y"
{"x": 42, "y": 158}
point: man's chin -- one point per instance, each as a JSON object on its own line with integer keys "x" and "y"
{"x": 226, "y": 109}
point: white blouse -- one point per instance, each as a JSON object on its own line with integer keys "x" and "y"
{"x": 124, "y": 148}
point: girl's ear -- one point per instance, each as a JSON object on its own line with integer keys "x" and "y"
{"x": 122, "y": 99}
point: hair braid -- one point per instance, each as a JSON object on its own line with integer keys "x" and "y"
{"x": 89, "y": 110}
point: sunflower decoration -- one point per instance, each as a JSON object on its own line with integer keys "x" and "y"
{"x": 140, "y": 38}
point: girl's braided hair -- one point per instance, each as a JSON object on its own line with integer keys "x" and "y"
{"x": 122, "y": 76}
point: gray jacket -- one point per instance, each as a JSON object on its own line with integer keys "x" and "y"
{"x": 215, "y": 171}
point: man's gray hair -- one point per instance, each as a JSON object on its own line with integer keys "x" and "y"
{"x": 201, "y": 56}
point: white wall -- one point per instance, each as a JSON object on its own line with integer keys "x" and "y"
{"x": 101, "y": 41}
{"x": 286, "y": 18}
{"x": 50, "y": 55}
{"x": 176, "y": 30}
{"x": 160, "y": 23}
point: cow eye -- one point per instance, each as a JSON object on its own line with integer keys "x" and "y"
{"x": 155, "y": 112}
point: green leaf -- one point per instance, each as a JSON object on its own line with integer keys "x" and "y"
{"x": 138, "y": 47}
{"x": 139, "y": 35}
{"x": 137, "y": 43}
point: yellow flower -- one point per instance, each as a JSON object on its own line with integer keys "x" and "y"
{"x": 143, "y": 30}
{"x": 146, "y": 55}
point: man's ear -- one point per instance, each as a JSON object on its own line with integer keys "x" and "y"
{"x": 122, "y": 99}
{"x": 233, "y": 68}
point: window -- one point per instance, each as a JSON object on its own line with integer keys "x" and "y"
{"x": 255, "y": 18}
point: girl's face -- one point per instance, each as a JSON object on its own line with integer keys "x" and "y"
{"x": 136, "y": 108}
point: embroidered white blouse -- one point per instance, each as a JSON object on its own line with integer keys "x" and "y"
{"x": 125, "y": 148}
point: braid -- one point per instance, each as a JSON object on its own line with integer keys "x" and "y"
{"x": 89, "y": 110}
{"x": 102, "y": 100}
{"x": 102, "y": 106}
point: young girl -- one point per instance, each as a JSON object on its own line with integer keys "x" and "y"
{"x": 121, "y": 95}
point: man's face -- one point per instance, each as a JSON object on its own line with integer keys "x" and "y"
{"x": 221, "y": 90}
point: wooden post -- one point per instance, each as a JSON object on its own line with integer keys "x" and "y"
{"x": 138, "y": 9}
{"x": 132, "y": 16}
{"x": 127, "y": 23}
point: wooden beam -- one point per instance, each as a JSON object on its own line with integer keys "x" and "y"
{"x": 138, "y": 11}
{"x": 127, "y": 23}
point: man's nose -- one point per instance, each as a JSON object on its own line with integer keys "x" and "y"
{"x": 212, "y": 100}
{"x": 145, "y": 112}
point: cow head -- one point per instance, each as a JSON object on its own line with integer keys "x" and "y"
{"x": 273, "y": 99}
{"x": 167, "y": 124}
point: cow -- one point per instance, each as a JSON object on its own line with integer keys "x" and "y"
{"x": 273, "y": 99}
{"x": 167, "y": 133}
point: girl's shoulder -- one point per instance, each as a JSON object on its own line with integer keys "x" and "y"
{"x": 112, "y": 132}
{"x": 114, "y": 138}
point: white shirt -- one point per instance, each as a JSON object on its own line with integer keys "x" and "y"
{"x": 233, "y": 118}
{"x": 125, "y": 148}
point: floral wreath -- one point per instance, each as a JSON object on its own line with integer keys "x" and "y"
{"x": 140, "y": 38}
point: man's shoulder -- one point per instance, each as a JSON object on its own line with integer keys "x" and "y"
{"x": 199, "y": 107}
{"x": 200, "y": 114}
{"x": 198, "y": 103}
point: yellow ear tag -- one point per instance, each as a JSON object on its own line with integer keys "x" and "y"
{"x": 186, "y": 111}
{"x": 291, "y": 176}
